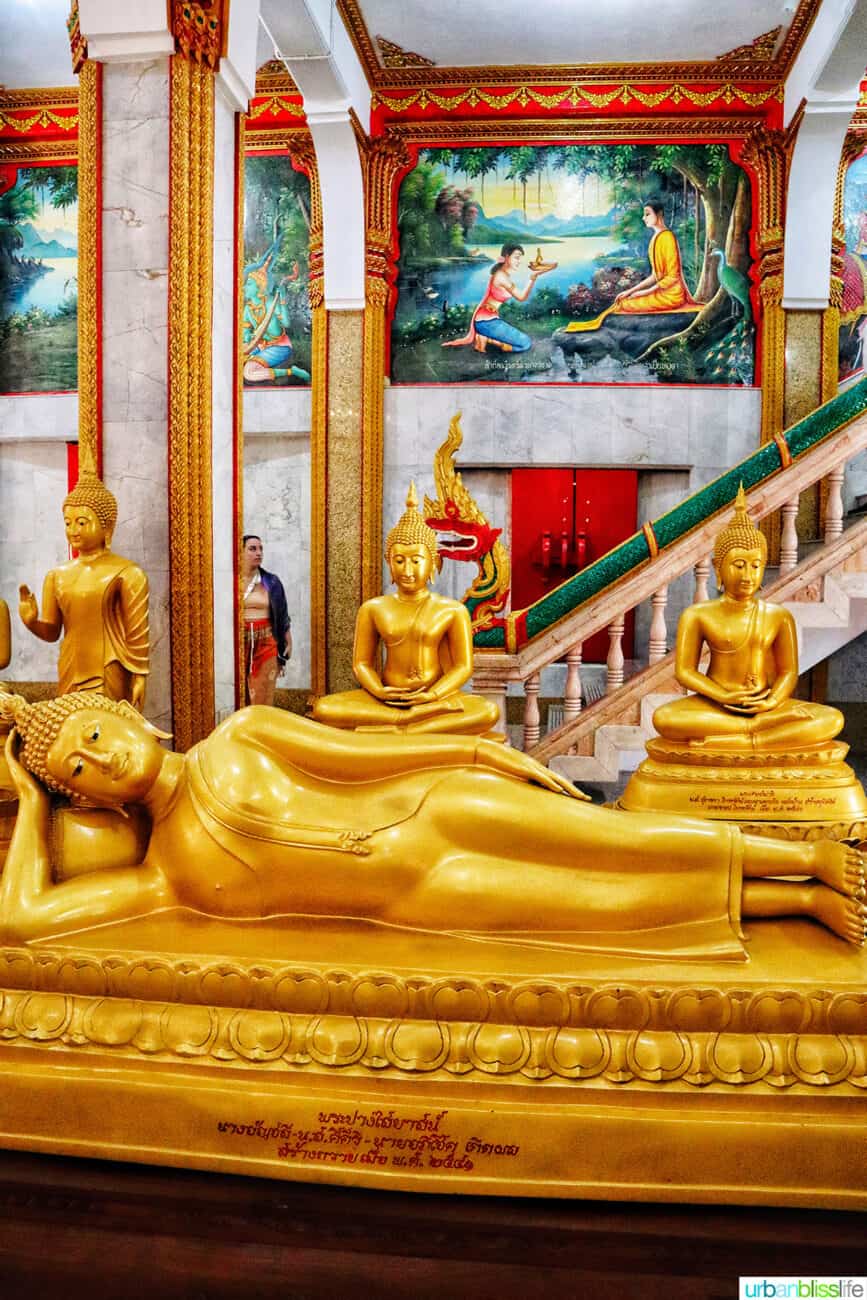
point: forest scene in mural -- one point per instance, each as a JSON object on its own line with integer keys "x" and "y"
{"x": 574, "y": 263}
{"x": 853, "y": 308}
{"x": 275, "y": 342}
{"x": 38, "y": 281}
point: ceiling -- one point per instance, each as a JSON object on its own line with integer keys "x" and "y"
{"x": 35, "y": 44}
{"x": 569, "y": 32}
{"x": 461, "y": 33}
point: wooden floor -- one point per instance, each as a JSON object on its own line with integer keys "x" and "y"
{"x": 96, "y": 1229}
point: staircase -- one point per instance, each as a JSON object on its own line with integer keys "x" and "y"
{"x": 826, "y": 590}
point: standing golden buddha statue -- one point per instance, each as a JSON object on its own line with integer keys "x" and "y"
{"x": 428, "y": 644}
{"x": 99, "y": 601}
{"x": 742, "y": 748}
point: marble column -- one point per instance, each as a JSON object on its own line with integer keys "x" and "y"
{"x": 135, "y": 261}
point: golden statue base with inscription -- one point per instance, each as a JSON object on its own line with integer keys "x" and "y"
{"x": 809, "y": 793}
{"x": 554, "y": 1074}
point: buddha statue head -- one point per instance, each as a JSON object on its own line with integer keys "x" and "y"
{"x": 90, "y": 513}
{"x": 85, "y": 746}
{"x": 740, "y": 552}
{"x": 411, "y": 549}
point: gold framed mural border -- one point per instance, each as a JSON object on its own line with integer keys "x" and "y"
{"x": 298, "y": 141}
{"x": 89, "y": 267}
{"x": 580, "y": 130}
{"x": 191, "y": 204}
{"x": 42, "y": 152}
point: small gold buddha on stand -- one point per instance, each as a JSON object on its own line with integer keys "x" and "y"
{"x": 428, "y": 646}
{"x": 98, "y": 600}
{"x": 742, "y": 748}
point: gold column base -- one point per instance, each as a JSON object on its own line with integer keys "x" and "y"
{"x": 533, "y": 1074}
{"x": 808, "y": 795}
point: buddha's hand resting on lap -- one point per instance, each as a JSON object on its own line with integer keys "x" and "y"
{"x": 512, "y": 762}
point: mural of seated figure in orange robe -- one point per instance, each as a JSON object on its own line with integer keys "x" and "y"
{"x": 664, "y": 290}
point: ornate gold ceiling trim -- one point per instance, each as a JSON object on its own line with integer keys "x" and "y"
{"x": 762, "y": 48}
{"x": 42, "y": 97}
{"x": 39, "y": 151}
{"x": 273, "y": 78}
{"x": 280, "y": 137}
{"x": 796, "y": 35}
{"x": 752, "y": 67}
{"x": 395, "y": 56}
{"x": 625, "y": 92}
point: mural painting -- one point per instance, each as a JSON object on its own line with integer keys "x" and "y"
{"x": 275, "y": 339}
{"x": 574, "y": 263}
{"x": 38, "y": 280}
{"x": 853, "y": 308}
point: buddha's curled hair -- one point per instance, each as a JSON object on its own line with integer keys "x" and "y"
{"x": 740, "y": 531}
{"x": 39, "y": 725}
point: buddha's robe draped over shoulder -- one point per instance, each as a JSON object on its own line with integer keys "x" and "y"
{"x": 345, "y": 841}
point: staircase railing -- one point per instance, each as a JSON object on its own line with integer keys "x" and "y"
{"x": 641, "y": 568}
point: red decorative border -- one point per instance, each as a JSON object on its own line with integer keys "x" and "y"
{"x": 753, "y": 99}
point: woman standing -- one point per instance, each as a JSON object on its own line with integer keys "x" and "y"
{"x": 267, "y": 634}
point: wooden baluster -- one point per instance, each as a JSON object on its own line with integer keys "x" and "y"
{"x": 658, "y": 643}
{"x": 789, "y": 536}
{"x": 615, "y": 655}
{"x": 834, "y": 504}
{"x": 572, "y": 697}
{"x": 702, "y": 573}
{"x": 532, "y": 726}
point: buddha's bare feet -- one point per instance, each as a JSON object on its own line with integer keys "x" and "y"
{"x": 838, "y": 865}
{"x": 845, "y": 916}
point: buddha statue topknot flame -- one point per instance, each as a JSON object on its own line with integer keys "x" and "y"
{"x": 742, "y": 713}
{"x": 99, "y": 601}
{"x": 428, "y": 646}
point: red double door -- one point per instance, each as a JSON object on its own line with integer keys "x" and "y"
{"x": 562, "y": 520}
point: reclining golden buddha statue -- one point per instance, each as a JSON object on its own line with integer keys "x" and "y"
{"x": 741, "y": 746}
{"x": 428, "y": 643}
{"x": 277, "y": 816}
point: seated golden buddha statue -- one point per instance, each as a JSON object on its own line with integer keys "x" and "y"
{"x": 276, "y": 816}
{"x": 98, "y": 600}
{"x": 428, "y": 644}
{"x": 773, "y": 757}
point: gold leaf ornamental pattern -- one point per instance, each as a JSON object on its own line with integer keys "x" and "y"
{"x": 238, "y": 405}
{"x": 217, "y": 1037}
{"x": 382, "y": 161}
{"x": 45, "y": 117}
{"x": 575, "y": 95}
{"x": 190, "y": 312}
{"x": 89, "y": 287}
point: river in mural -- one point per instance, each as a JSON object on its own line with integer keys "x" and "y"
{"x": 853, "y": 308}
{"x": 612, "y": 264}
{"x": 39, "y": 281}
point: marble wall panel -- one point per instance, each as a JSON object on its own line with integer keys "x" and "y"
{"x": 32, "y": 487}
{"x": 27, "y": 417}
{"x": 223, "y": 379}
{"x": 135, "y": 256}
{"x": 273, "y": 410}
{"x": 277, "y": 507}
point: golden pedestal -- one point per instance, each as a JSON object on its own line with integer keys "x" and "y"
{"x": 541, "y": 1073}
{"x": 813, "y": 794}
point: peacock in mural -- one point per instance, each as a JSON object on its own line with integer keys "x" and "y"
{"x": 735, "y": 283}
